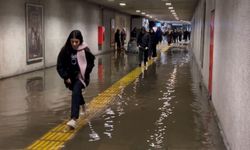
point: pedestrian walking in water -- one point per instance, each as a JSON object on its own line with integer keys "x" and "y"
{"x": 133, "y": 34}
{"x": 118, "y": 39}
{"x": 123, "y": 38}
{"x": 152, "y": 44}
{"x": 74, "y": 65}
{"x": 143, "y": 44}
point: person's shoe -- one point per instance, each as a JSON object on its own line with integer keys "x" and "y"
{"x": 72, "y": 123}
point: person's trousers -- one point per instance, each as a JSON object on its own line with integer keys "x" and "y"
{"x": 154, "y": 51}
{"x": 143, "y": 55}
{"x": 77, "y": 99}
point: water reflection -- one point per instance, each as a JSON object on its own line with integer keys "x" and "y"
{"x": 156, "y": 139}
{"x": 100, "y": 70}
{"x": 204, "y": 117}
{"x": 135, "y": 85}
{"x": 40, "y": 100}
{"x": 163, "y": 58}
{"x": 119, "y": 61}
{"x": 159, "y": 110}
{"x": 108, "y": 124}
{"x": 34, "y": 85}
{"x": 178, "y": 56}
{"x": 108, "y": 117}
{"x": 93, "y": 136}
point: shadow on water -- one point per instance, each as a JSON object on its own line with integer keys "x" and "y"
{"x": 165, "y": 108}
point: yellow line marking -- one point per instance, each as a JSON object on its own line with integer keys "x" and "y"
{"x": 59, "y": 135}
{"x": 165, "y": 47}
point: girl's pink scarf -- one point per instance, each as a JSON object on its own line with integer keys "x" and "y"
{"x": 82, "y": 62}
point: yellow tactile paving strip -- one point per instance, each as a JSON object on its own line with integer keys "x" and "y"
{"x": 165, "y": 47}
{"x": 59, "y": 135}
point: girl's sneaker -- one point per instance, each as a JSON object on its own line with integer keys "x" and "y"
{"x": 72, "y": 123}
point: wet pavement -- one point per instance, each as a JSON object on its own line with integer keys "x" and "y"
{"x": 165, "y": 108}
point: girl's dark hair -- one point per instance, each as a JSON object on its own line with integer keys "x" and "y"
{"x": 74, "y": 34}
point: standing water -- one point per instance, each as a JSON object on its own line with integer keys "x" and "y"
{"x": 165, "y": 108}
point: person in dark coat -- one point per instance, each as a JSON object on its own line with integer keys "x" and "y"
{"x": 74, "y": 65}
{"x": 175, "y": 36}
{"x": 143, "y": 44}
{"x": 152, "y": 43}
{"x": 123, "y": 38}
{"x": 118, "y": 39}
{"x": 169, "y": 36}
{"x": 159, "y": 34}
{"x": 133, "y": 34}
{"x": 179, "y": 34}
{"x": 185, "y": 35}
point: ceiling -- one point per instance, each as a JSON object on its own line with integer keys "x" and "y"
{"x": 155, "y": 8}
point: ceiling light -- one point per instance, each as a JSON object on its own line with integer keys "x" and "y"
{"x": 170, "y": 7}
{"x": 111, "y": 0}
{"x": 143, "y": 13}
{"x": 138, "y": 11}
{"x": 172, "y": 10}
{"x": 122, "y": 4}
{"x": 168, "y": 4}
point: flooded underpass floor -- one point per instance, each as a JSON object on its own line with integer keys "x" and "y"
{"x": 166, "y": 107}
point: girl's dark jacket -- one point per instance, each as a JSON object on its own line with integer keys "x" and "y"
{"x": 64, "y": 64}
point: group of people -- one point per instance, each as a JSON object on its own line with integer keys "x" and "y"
{"x": 147, "y": 42}
{"x": 75, "y": 60}
{"x": 176, "y": 35}
{"x": 75, "y": 63}
{"x": 120, "y": 38}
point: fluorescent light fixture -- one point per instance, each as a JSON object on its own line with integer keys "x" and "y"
{"x": 172, "y": 10}
{"x": 138, "y": 11}
{"x": 168, "y": 4}
{"x": 143, "y": 13}
{"x": 150, "y": 16}
{"x": 147, "y": 15}
{"x": 170, "y": 7}
{"x": 122, "y": 4}
{"x": 111, "y": 0}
